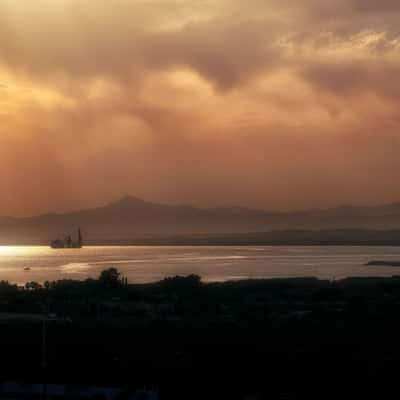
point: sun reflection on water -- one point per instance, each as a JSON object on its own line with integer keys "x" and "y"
{"x": 20, "y": 250}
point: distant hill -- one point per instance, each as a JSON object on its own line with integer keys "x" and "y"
{"x": 131, "y": 219}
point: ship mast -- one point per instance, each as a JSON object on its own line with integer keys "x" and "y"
{"x": 79, "y": 237}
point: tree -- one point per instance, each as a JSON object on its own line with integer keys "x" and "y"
{"x": 110, "y": 277}
{"x": 33, "y": 286}
{"x": 7, "y": 288}
{"x": 180, "y": 283}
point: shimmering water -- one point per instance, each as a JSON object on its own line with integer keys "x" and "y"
{"x": 149, "y": 263}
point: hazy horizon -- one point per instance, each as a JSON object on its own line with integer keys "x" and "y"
{"x": 276, "y": 105}
{"x": 227, "y": 206}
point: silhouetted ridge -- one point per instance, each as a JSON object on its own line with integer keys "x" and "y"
{"x": 128, "y": 202}
{"x": 131, "y": 218}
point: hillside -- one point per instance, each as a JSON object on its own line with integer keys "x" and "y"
{"x": 131, "y": 218}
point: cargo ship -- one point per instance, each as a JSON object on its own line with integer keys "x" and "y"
{"x": 67, "y": 242}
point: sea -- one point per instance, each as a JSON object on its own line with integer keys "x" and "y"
{"x": 140, "y": 264}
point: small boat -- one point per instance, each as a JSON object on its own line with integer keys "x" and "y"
{"x": 27, "y": 269}
{"x": 67, "y": 242}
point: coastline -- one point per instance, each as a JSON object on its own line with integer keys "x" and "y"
{"x": 285, "y": 237}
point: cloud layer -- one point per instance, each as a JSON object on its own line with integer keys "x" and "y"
{"x": 280, "y": 104}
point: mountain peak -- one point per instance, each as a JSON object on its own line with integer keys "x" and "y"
{"x": 128, "y": 201}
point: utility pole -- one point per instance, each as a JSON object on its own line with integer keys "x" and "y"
{"x": 44, "y": 356}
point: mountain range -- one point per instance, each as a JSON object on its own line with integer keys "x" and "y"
{"x": 131, "y": 220}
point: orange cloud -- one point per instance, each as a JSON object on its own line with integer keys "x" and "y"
{"x": 274, "y": 105}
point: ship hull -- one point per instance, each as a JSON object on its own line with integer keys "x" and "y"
{"x": 56, "y": 246}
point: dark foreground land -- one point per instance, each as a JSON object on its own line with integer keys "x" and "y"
{"x": 273, "y": 339}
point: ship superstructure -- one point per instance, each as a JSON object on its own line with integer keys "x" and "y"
{"x": 68, "y": 242}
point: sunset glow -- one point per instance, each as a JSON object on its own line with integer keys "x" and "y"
{"x": 274, "y": 105}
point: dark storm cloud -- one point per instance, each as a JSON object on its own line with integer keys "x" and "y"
{"x": 224, "y": 52}
{"x": 356, "y": 78}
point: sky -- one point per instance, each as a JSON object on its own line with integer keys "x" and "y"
{"x": 272, "y": 104}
